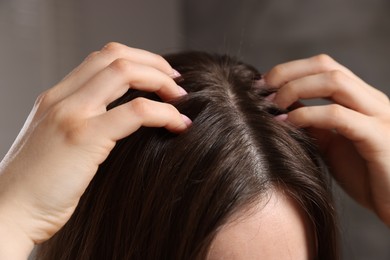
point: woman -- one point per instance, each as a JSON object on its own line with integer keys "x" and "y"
{"x": 37, "y": 204}
{"x": 164, "y": 196}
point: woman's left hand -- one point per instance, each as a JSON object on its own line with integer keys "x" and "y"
{"x": 353, "y": 133}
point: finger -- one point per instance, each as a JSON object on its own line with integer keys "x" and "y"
{"x": 348, "y": 165}
{"x": 113, "y": 51}
{"x": 127, "y": 118}
{"x": 349, "y": 123}
{"x": 97, "y": 61}
{"x": 115, "y": 80}
{"x": 293, "y": 70}
{"x": 336, "y": 85}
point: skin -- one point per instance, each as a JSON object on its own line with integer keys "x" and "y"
{"x": 69, "y": 133}
{"x": 353, "y": 133}
{"x": 278, "y": 229}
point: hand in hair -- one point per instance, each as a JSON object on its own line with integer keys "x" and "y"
{"x": 353, "y": 132}
{"x": 70, "y": 132}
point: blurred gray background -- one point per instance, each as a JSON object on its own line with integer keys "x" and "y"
{"x": 42, "y": 40}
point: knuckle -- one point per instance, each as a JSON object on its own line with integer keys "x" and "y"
{"x": 92, "y": 55}
{"x": 45, "y": 99}
{"x": 288, "y": 93}
{"x": 336, "y": 78}
{"x": 113, "y": 47}
{"x": 140, "y": 106}
{"x": 324, "y": 61}
{"x": 276, "y": 75}
{"x": 157, "y": 61}
{"x": 75, "y": 135}
{"x": 338, "y": 119}
{"x": 120, "y": 65}
{"x": 71, "y": 126}
{"x": 278, "y": 70}
{"x": 60, "y": 115}
{"x": 143, "y": 107}
{"x": 335, "y": 112}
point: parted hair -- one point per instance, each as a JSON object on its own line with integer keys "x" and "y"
{"x": 161, "y": 195}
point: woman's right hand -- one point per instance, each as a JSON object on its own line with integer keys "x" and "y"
{"x": 69, "y": 133}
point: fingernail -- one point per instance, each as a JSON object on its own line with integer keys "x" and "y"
{"x": 182, "y": 91}
{"x": 186, "y": 120}
{"x": 175, "y": 74}
{"x": 281, "y": 117}
{"x": 271, "y": 97}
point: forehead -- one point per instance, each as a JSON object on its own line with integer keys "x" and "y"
{"x": 278, "y": 229}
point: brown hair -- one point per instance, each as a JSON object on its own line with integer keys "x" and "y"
{"x": 164, "y": 196}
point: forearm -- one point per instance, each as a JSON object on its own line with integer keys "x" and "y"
{"x": 14, "y": 244}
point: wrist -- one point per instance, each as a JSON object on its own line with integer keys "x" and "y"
{"x": 14, "y": 243}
